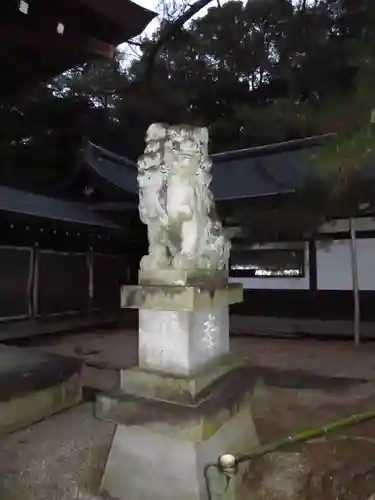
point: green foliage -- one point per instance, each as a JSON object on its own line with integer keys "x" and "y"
{"x": 262, "y": 72}
{"x": 346, "y": 153}
{"x": 40, "y": 140}
{"x": 256, "y": 72}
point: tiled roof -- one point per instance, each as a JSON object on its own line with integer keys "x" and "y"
{"x": 24, "y": 202}
{"x": 247, "y": 173}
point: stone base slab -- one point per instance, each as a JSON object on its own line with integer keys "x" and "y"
{"x": 180, "y": 277}
{"x": 196, "y": 421}
{"x": 160, "y": 449}
{"x": 179, "y": 298}
{"x": 167, "y": 387}
{"x": 35, "y": 406}
{"x": 35, "y": 384}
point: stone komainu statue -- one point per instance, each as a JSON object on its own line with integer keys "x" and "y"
{"x": 176, "y": 204}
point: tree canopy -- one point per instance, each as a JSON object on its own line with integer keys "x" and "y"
{"x": 255, "y": 72}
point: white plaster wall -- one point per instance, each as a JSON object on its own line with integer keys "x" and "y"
{"x": 342, "y": 225}
{"x": 277, "y": 283}
{"x": 334, "y": 265}
{"x": 332, "y": 259}
{"x": 366, "y": 264}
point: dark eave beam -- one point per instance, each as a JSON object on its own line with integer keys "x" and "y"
{"x": 49, "y": 42}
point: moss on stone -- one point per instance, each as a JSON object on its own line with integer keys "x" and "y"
{"x": 179, "y": 298}
{"x": 182, "y": 389}
{"x": 196, "y": 421}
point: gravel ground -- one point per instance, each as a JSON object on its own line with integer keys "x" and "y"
{"x": 63, "y": 457}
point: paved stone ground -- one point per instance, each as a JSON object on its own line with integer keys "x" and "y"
{"x": 63, "y": 457}
{"x": 114, "y": 349}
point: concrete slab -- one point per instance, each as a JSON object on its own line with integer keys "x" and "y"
{"x": 34, "y": 385}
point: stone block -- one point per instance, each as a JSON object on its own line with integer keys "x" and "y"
{"x": 179, "y": 298}
{"x": 25, "y": 410}
{"x": 161, "y": 448}
{"x": 173, "y": 388}
{"x": 181, "y": 277}
{"x": 35, "y": 385}
{"x": 182, "y": 342}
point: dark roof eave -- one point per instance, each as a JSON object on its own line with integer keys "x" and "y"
{"x": 122, "y": 160}
{"x": 95, "y": 225}
{"x": 32, "y": 38}
{"x": 130, "y": 17}
{"x": 114, "y": 206}
{"x": 14, "y": 201}
{"x": 278, "y": 147}
{"x": 254, "y": 197}
{"x": 120, "y": 174}
{"x": 235, "y": 154}
{"x": 115, "y": 174}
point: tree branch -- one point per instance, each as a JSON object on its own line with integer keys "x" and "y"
{"x": 135, "y": 43}
{"x": 168, "y": 32}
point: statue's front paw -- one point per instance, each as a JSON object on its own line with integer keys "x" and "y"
{"x": 147, "y": 263}
{"x": 157, "y": 260}
{"x": 183, "y": 261}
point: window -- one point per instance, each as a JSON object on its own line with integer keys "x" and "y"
{"x": 268, "y": 263}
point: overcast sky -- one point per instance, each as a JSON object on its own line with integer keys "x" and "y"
{"x": 149, "y": 4}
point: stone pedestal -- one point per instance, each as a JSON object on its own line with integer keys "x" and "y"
{"x": 186, "y": 403}
{"x": 181, "y": 327}
{"x": 198, "y": 337}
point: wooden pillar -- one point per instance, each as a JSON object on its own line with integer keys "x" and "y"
{"x": 34, "y": 285}
{"x": 354, "y": 262}
{"x": 90, "y": 267}
{"x": 313, "y": 278}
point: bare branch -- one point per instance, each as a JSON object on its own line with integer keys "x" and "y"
{"x": 168, "y": 32}
{"x": 134, "y": 43}
{"x": 134, "y": 52}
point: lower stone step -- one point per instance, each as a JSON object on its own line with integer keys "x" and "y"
{"x": 35, "y": 385}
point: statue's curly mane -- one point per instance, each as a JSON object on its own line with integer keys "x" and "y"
{"x": 149, "y": 196}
